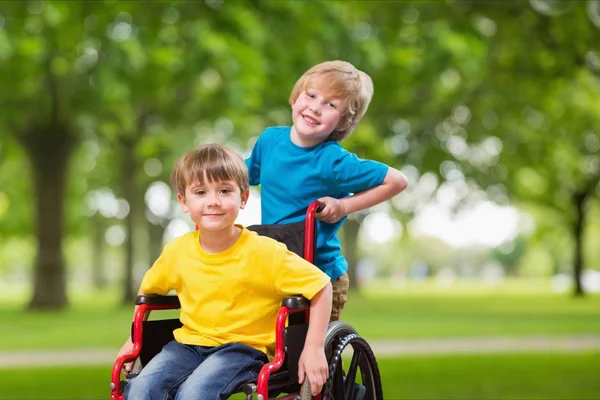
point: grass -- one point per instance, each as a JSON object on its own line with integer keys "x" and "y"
{"x": 534, "y": 376}
{"x": 419, "y": 310}
{"x": 484, "y": 315}
{"x": 524, "y": 376}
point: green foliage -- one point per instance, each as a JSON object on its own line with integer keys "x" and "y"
{"x": 500, "y": 94}
{"x": 15, "y": 192}
{"x": 510, "y": 253}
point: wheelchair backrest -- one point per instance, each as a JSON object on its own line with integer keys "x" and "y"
{"x": 292, "y": 235}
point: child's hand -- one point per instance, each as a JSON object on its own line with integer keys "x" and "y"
{"x": 334, "y": 210}
{"x": 126, "y": 349}
{"x": 313, "y": 364}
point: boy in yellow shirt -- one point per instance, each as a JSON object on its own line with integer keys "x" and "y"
{"x": 230, "y": 282}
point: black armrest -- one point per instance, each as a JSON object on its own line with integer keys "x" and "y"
{"x": 296, "y": 302}
{"x": 157, "y": 300}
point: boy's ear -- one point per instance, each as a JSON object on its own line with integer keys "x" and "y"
{"x": 182, "y": 201}
{"x": 245, "y": 195}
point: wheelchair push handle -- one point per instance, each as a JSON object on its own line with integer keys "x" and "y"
{"x": 320, "y": 206}
{"x": 314, "y": 208}
{"x": 310, "y": 230}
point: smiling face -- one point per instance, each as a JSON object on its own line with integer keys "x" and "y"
{"x": 315, "y": 115}
{"x": 336, "y": 81}
{"x": 213, "y": 205}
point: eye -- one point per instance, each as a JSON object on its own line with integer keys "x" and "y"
{"x": 312, "y": 96}
{"x": 225, "y": 191}
{"x": 200, "y": 192}
{"x": 331, "y": 105}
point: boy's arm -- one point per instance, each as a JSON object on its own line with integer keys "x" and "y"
{"x": 313, "y": 363}
{"x": 335, "y": 209}
{"x": 253, "y": 163}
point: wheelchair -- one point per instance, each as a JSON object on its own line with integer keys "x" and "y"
{"x": 277, "y": 379}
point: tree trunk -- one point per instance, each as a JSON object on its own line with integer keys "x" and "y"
{"x": 49, "y": 150}
{"x": 130, "y": 193}
{"x": 579, "y": 200}
{"x": 349, "y": 247}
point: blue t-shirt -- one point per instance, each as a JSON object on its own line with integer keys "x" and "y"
{"x": 291, "y": 177}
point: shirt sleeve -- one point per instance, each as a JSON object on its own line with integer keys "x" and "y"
{"x": 156, "y": 279}
{"x": 253, "y": 163}
{"x": 353, "y": 175}
{"x": 294, "y": 275}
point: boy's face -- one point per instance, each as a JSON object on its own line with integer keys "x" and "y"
{"x": 213, "y": 206}
{"x": 315, "y": 115}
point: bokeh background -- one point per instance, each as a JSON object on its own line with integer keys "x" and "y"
{"x": 480, "y": 281}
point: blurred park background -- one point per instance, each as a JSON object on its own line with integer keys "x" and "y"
{"x": 480, "y": 281}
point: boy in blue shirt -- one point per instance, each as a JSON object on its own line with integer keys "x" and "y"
{"x": 305, "y": 162}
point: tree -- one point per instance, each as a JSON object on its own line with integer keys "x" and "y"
{"x": 544, "y": 112}
{"x": 42, "y": 93}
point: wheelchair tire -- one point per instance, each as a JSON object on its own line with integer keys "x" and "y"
{"x": 337, "y": 386}
{"x": 305, "y": 392}
{"x": 137, "y": 367}
{"x": 337, "y": 330}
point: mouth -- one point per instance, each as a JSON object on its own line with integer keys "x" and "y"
{"x": 310, "y": 120}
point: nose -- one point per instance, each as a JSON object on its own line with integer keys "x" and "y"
{"x": 315, "y": 106}
{"x": 213, "y": 200}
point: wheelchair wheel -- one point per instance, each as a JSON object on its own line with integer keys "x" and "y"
{"x": 336, "y": 331}
{"x": 305, "y": 391}
{"x": 137, "y": 367}
{"x": 362, "y": 380}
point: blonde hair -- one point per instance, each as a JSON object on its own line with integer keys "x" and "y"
{"x": 341, "y": 80}
{"x": 212, "y": 162}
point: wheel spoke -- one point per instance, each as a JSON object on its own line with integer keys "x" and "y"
{"x": 351, "y": 375}
{"x": 338, "y": 383}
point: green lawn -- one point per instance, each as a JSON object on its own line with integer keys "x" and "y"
{"x": 419, "y": 310}
{"x": 535, "y": 376}
{"x": 468, "y": 315}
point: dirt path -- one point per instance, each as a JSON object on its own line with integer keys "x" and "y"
{"x": 382, "y": 348}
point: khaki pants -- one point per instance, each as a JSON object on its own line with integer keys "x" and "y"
{"x": 340, "y": 296}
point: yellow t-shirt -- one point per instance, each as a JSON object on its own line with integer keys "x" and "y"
{"x": 232, "y": 296}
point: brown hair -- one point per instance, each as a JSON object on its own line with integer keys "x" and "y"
{"x": 342, "y": 80}
{"x": 212, "y": 162}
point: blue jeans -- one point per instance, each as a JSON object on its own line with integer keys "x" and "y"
{"x": 187, "y": 372}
